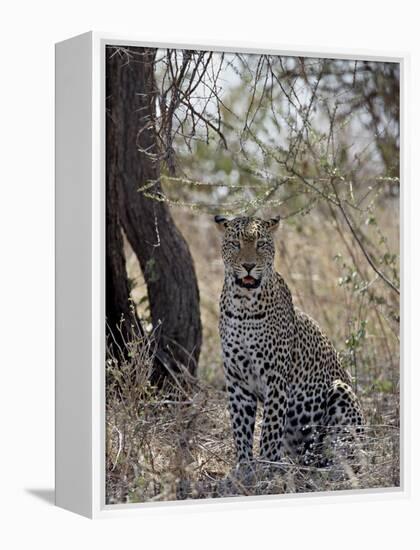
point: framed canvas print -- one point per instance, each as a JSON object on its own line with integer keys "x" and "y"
{"x": 228, "y": 258}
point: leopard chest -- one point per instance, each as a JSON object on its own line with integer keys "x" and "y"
{"x": 247, "y": 350}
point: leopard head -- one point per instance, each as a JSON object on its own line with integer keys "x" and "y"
{"x": 248, "y": 249}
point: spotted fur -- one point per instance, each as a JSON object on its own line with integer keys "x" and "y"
{"x": 274, "y": 353}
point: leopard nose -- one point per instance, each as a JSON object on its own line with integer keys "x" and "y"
{"x": 248, "y": 267}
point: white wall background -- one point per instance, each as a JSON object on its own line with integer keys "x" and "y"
{"x": 28, "y": 32}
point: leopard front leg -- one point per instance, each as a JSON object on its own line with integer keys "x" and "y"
{"x": 243, "y": 409}
{"x": 274, "y": 416}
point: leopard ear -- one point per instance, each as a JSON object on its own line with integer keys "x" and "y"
{"x": 273, "y": 223}
{"x": 221, "y": 222}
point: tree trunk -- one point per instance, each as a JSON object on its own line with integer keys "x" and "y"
{"x": 162, "y": 252}
{"x": 117, "y": 293}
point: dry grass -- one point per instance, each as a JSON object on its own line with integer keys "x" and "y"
{"x": 179, "y": 446}
{"x": 162, "y": 447}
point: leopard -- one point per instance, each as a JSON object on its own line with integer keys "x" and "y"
{"x": 276, "y": 356}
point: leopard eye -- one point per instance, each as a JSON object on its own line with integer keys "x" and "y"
{"x": 235, "y": 244}
{"x": 261, "y": 244}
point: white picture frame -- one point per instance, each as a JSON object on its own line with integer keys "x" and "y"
{"x": 80, "y": 277}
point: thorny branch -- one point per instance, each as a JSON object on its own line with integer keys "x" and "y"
{"x": 308, "y": 105}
